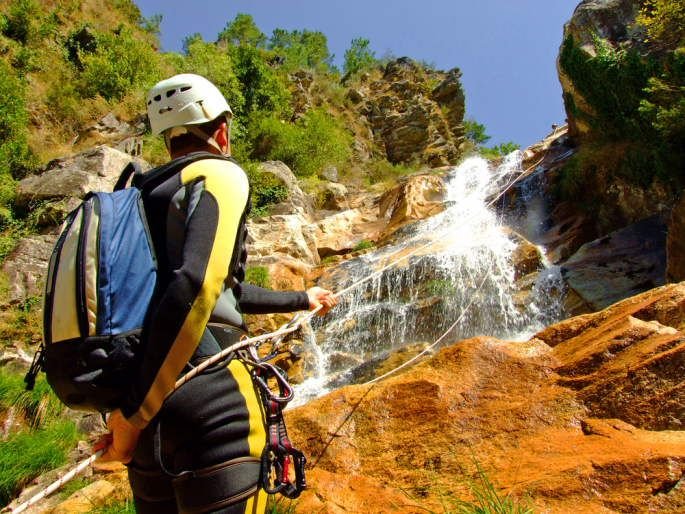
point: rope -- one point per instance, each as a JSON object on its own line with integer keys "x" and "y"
{"x": 290, "y": 327}
{"x": 57, "y": 483}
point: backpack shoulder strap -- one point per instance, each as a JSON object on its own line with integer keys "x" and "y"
{"x": 132, "y": 168}
{"x": 154, "y": 177}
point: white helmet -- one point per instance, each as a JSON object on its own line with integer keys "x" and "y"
{"x": 183, "y": 101}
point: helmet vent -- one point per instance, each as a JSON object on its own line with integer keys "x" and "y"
{"x": 158, "y": 98}
{"x": 166, "y": 109}
{"x": 186, "y": 88}
{"x": 171, "y": 92}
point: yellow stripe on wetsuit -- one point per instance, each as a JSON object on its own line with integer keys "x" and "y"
{"x": 255, "y": 439}
{"x": 227, "y": 183}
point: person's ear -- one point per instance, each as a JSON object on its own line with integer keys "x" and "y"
{"x": 222, "y": 138}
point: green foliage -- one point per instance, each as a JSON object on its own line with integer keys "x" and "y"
{"x": 25, "y": 455}
{"x": 19, "y": 23}
{"x": 262, "y": 88}
{"x": 440, "y": 287}
{"x": 613, "y": 83}
{"x": 72, "y": 486}
{"x": 243, "y": 31}
{"x": 216, "y": 65}
{"x": 38, "y": 406}
{"x": 664, "y": 21}
{"x": 121, "y": 64}
{"x": 258, "y": 276}
{"x": 116, "y": 507}
{"x": 152, "y": 24}
{"x": 364, "y": 244}
{"x": 499, "y": 150}
{"x": 381, "y": 170}
{"x": 301, "y": 49}
{"x": 475, "y": 132}
{"x": 265, "y": 188}
{"x": 307, "y": 146}
{"x": 280, "y": 505}
{"x": 15, "y": 157}
{"x": 359, "y": 56}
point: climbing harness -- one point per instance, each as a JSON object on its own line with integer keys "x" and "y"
{"x": 280, "y": 461}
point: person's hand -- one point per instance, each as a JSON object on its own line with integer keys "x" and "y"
{"x": 121, "y": 441}
{"x": 319, "y": 296}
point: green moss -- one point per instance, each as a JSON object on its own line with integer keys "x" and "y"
{"x": 258, "y": 275}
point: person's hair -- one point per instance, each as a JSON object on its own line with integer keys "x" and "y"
{"x": 188, "y": 141}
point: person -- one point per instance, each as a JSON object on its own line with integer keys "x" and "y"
{"x": 197, "y": 449}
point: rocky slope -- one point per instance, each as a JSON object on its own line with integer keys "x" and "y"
{"x": 585, "y": 417}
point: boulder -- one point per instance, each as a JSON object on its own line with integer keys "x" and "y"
{"x": 624, "y": 263}
{"x": 297, "y": 202}
{"x": 588, "y": 425}
{"x": 410, "y": 118}
{"x": 417, "y": 197}
{"x": 281, "y": 236}
{"x": 27, "y": 266}
{"x": 341, "y": 232}
{"x": 334, "y": 197}
{"x": 86, "y": 499}
{"x": 72, "y": 177}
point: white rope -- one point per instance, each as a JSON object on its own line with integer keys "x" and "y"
{"x": 290, "y": 327}
{"x": 57, "y": 483}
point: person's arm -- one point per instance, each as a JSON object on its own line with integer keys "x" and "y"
{"x": 220, "y": 193}
{"x": 257, "y": 300}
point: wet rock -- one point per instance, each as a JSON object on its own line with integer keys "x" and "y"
{"x": 621, "y": 264}
{"x": 542, "y": 422}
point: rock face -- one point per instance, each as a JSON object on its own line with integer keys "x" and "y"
{"x": 611, "y": 20}
{"x": 411, "y": 119}
{"x": 72, "y": 177}
{"x": 27, "y": 266}
{"x": 585, "y": 417}
{"x": 675, "y": 243}
{"x": 298, "y": 202}
{"x": 619, "y": 265}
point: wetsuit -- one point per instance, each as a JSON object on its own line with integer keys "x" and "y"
{"x": 200, "y": 446}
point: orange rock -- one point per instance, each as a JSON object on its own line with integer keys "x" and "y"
{"x": 576, "y": 425}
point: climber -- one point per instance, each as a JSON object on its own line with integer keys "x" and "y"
{"x": 197, "y": 448}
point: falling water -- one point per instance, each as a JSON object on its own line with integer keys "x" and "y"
{"x": 455, "y": 266}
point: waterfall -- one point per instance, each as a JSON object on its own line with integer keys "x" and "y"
{"x": 460, "y": 268}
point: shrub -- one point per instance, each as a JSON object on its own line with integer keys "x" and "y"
{"x": 314, "y": 141}
{"x": 364, "y": 244}
{"x": 242, "y": 30}
{"x": 19, "y": 23}
{"x": 120, "y": 64}
{"x": 358, "y": 57}
{"x": 613, "y": 83}
{"x": 265, "y": 189}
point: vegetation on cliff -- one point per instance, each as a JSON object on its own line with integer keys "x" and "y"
{"x": 634, "y": 93}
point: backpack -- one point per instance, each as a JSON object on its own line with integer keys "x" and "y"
{"x": 100, "y": 283}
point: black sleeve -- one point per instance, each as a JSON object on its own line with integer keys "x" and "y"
{"x": 257, "y": 300}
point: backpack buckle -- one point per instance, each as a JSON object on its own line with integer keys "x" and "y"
{"x": 34, "y": 369}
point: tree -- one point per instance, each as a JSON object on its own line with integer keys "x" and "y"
{"x": 301, "y": 49}
{"x": 243, "y": 31}
{"x": 475, "y": 132}
{"x": 358, "y": 57}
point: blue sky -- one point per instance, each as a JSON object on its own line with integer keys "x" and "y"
{"x": 506, "y": 49}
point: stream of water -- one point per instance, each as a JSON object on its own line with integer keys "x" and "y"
{"x": 463, "y": 271}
